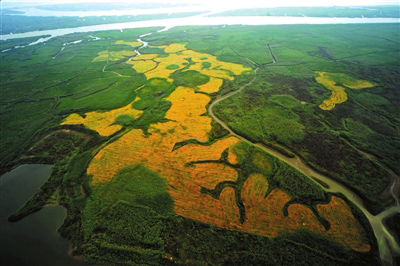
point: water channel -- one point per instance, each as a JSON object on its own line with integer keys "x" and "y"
{"x": 200, "y": 20}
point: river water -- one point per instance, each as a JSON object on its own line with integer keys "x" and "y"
{"x": 201, "y": 20}
{"x": 34, "y": 240}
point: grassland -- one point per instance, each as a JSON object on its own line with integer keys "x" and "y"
{"x": 19, "y": 24}
{"x": 134, "y": 142}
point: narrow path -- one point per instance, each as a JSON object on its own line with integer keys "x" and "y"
{"x": 105, "y": 66}
{"x": 388, "y": 246}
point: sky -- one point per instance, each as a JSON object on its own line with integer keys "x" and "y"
{"x": 248, "y": 3}
{"x": 210, "y": 5}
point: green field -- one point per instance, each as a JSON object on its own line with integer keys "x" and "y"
{"x": 131, "y": 219}
{"x": 18, "y": 24}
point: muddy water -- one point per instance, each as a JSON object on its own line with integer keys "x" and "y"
{"x": 33, "y": 240}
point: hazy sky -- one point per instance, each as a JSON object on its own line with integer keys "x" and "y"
{"x": 235, "y": 3}
{"x": 212, "y": 5}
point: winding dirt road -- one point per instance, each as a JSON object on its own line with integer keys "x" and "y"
{"x": 388, "y": 247}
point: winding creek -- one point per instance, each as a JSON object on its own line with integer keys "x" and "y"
{"x": 388, "y": 247}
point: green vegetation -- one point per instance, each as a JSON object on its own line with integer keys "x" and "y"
{"x": 152, "y": 101}
{"x": 172, "y": 67}
{"x": 189, "y": 78}
{"x": 263, "y": 124}
{"x": 206, "y": 64}
{"x": 393, "y": 224}
{"x": 130, "y": 219}
{"x": 8, "y": 44}
{"x": 138, "y": 195}
{"x": 33, "y": 102}
{"x": 124, "y": 120}
{"x": 204, "y": 244}
{"x": 138, "y": 185}
{"x": 19, "y": 24}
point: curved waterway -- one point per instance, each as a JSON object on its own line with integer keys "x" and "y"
{"x": 199, "y": 20}
{"x": 388, "y": 247}
{"x": 34, "y": 240}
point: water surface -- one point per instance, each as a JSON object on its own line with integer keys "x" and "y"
{"x": 202, "y": 20}
{"x": 34, "y": 240}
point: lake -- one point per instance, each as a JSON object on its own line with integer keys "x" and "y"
{"x": 34, "y": 240}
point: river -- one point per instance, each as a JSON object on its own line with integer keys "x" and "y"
{"x": 200, "y": 20}
{"x": 34, "y": 240}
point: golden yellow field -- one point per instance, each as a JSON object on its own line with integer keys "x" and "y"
{"x": 187, "y": 120}
{"x": 265, "y": 216}
{"x": 163, "y": 63}
{"x": 173, "y": 48}
{"x": 339, "y": 95}
{"x": 102, "y": 122}
{"x": 142, "y": 66}
{"x": 344, "y": 226}
{"x": 212, "y": 86}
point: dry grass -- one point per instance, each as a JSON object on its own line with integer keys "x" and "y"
{"x": 265, "y": 216}
{"x": 102, "y": 122}
{"x": 142, "y": 66}
{"x": 145, "y": 57}
{"x": 232, "y": 157}
{"x": 219, "y": 69}
{"x": 161, "y": 71}
{"x": 212, "y": 86}
{"x": 174, "y": 48}
{"x": 344, "y": 227}
{"x": 262, "y": 162}
{"x": 339, "y": 95}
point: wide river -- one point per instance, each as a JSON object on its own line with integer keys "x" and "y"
{"x": 201, "y": 20}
